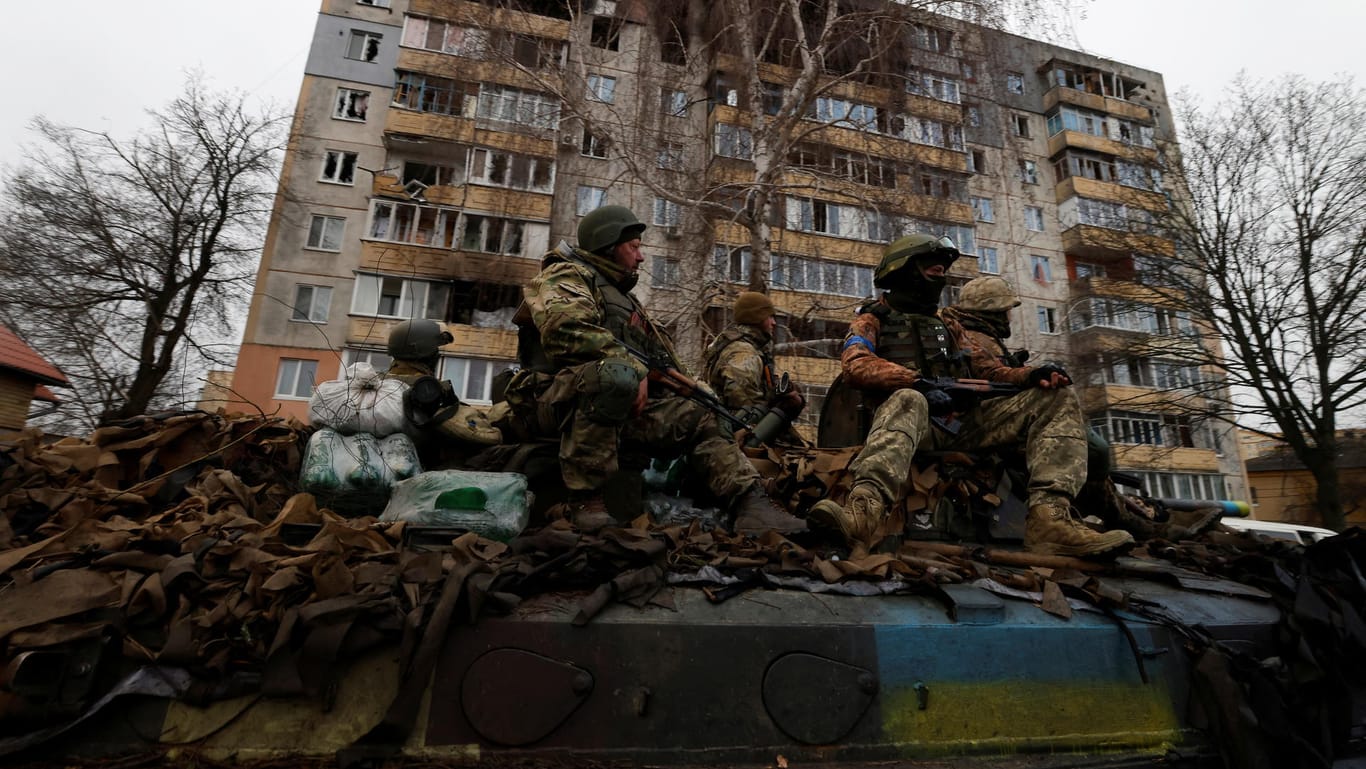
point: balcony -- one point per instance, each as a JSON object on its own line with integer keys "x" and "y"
{"x": 470, "y": 341}
{"x": 1092, "y": 242}
{"x": 445, "y": 264}
{"x": 1064, "y": 139}
{"x": 807, "y": 244}
{"x": 520, "y": 204}
{"x": 1112, "y": 287}
{"x": 1094, "y": 101}
{"x": 1079, "y": 186}
{"x": 465, "y": 130}
{"x": 483, "y": 16}
{"x": 1166, "y": 458}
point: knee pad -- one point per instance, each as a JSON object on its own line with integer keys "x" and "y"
{"x": 607, "y": 391}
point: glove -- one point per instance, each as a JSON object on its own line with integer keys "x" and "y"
{"x": 941, "y": 403}
{"x": 792, "y": 402}
{"x": 1043, "y": 375}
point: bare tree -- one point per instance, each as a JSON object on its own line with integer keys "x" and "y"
{"x": 121, "y": 260}
{"x": 1269, "y": 226}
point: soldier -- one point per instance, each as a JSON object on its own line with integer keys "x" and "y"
{"x": 983, "y": 312}
{"x": 739, "y": 363}
{"x": 900, "y": 339}
{"x": 595, "y": 392}
{"x": 415, "y": 350}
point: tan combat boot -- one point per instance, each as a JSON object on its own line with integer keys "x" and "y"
{"x": 756, "y": 513}
{"x": 857, "y": 520}
{"x": 588, "y": 513}
{"x": 1050, "y": 529}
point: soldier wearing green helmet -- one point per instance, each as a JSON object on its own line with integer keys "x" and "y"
{"x": 452, "y": 429}
{"x": 583, "y": 381}
{"x": 902, "y": 339}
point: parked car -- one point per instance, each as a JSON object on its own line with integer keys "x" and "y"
{"x": 1293, "y": 532}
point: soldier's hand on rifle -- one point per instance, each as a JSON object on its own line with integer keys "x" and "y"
{"x": 941, "y": 403}
{"x": 1050, "y": 376}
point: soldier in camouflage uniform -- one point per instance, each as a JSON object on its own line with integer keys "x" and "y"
{"x": 739, "y": 363}
{"x": 594, "y": 392}
{"x": 899, "y": 339}
{"x": 983, "y": 313}
{"x": 458, "y": 428}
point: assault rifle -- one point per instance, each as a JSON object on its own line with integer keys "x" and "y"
{"x": 962, "y": 394}
{"x": 663, "y": 371}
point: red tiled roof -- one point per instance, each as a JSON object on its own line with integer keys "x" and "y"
{"x": 41, "y": 393}
{"x": 17, "y": 356}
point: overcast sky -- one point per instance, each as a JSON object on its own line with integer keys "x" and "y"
{"x": 98, "y": 65}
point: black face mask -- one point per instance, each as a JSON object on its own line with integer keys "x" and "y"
{"x": 994, "y": 322}
{"x": 912, "y": 291}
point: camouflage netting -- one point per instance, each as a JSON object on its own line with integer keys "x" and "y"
{"x": 181, "y": 542}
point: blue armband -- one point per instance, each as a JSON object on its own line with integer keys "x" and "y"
{"x": 853, "y": 340}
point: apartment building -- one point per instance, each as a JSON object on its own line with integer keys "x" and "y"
{"x": 441, "y": 146}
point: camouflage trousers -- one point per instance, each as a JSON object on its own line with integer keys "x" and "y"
{"x": 667, "y": 427}
{"x": 1047, "y": 422}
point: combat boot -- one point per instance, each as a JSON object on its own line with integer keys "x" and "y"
{"x": 588, "y": 513}
{"x": 755, "y": 514}
{"x": 858, "y": 519}
{"x": 1050, "y": 529}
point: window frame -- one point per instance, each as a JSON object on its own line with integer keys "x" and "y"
{"x": 326, "y": 221}
{"x": 1036, "y": 213}
{"x": 598, "y": 194}
{"x": 341, "y": 100}
{"x": 341, "y": 161}
{"x": 297, "y": 378}
{"x": 601, "y": 88}
{"x": 367, "y": 39}
{"x": 314, "y": 293}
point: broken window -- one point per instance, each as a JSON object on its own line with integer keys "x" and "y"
{"x": 733, "y": 141}
{"x": 425, "y": 93}
{"x": 364, "y": 46}
{"x": 339, "y": 167}
{"x": 1021, "y": 126}
{"x": 982, "y": 209}
{"x": 1029, "y": 172}
{"x": 433, "y": 174}
{"x": 1015, "y": 83}
{"x": 375, "y": 3}
{"x": 1033, "y": 218}
{"x": 351, "y": 104}
{"x": 593, "y": 146}
{"x": 606, "y": 33}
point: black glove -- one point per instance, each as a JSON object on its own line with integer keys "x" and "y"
{"x": 941, "y": 403}
{"x": 1043, "y": 374}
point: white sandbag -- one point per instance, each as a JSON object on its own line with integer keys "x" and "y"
{"x": 361, "y": 401}
{"x": 493, "y": 505}
{"x": 353, "y": 474}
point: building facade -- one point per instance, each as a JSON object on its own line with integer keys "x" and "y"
{"x": 441, "y": 146}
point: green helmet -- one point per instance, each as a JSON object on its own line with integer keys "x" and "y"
{"x": 906, "y": 250}
{"x": 987, "y": 294}
{"x": 418, "y": 339}
{"x": 607, "y": 226}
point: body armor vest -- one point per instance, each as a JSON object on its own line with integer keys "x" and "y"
{"x": 921, "y": 343}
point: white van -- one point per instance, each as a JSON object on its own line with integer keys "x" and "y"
{"x": 1293, "y": 532}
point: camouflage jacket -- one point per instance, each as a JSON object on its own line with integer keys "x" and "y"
{"x": 569, "y": 306}
{"x": 865, "y": 369}
{"x": 989, "y": 358}
{"x": 739, "y": 367}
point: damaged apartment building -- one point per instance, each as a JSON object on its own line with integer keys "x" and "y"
{"x": 440, "y": 147}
